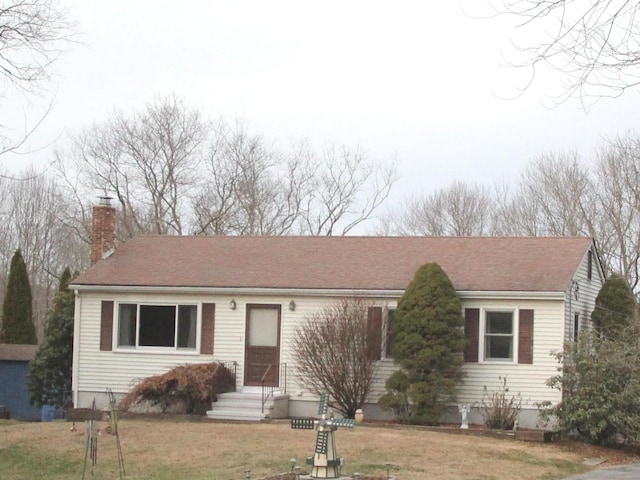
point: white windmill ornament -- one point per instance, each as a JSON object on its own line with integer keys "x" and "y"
{"x": 325, "y": 462}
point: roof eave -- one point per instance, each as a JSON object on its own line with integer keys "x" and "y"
{"x": 310, "y": 292}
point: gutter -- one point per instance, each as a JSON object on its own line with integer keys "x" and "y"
{"x": 310, "y": 292}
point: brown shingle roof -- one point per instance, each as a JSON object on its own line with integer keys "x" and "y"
{"x": 371, "y": 263}
{"x": 18, "y": 353}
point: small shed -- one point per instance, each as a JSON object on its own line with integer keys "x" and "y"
{"x": 14, "y": 371}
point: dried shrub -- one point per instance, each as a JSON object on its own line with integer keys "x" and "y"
{"x": 499, "y": 409}
{"x": 335, "y": 353}
{"x": 196, "y": 385}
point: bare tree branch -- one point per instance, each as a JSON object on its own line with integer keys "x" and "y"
{"x": 33, "y": 34}
{"x": 595, "y": 44}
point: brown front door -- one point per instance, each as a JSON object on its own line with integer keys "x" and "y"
{"x": 262, "y": 345}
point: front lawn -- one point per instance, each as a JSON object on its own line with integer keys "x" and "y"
{"x": 164, "y": 450}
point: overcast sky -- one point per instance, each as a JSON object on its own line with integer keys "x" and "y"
{"x": 417, "y": 81}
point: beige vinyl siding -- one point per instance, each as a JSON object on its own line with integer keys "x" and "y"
{"x": 228, "y": 333}
{"x": 526, "y": 379}
{"x": 98, "y": 370}
{"x": 529, "y": 379}
{"x": 588, "y": 290}
{"x": 297, "y": 386}
{"x": 119, "y": 370}
{"x": 384, "y": 369}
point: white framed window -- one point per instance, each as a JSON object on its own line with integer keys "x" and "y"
{"x": 498, "y": 336}
{"x": 166, "y": 326}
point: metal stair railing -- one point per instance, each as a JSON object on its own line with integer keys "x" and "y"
{"x": 267, "y": 390}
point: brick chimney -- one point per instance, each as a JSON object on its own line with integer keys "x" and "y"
{"x": 103, "y": 230}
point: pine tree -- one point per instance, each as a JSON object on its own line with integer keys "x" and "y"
{"x": 428, "y": 344}
{"x": 17, "y": 320}
{"x": 615, "y": 307}
{"x": 50, "y": 377}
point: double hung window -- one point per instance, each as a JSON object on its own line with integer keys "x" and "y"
{"x": 498, "y": 336}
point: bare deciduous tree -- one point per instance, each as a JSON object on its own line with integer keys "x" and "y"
{"x": 173, "y": 173}
{"x": 333, "y": 352}
{"x": 251, "y": 188}
{"x": 348, "y": 189}
{"x": 149, "y": 160}
{"x": 618, "y": 174}
{"x": 30, "y": 211}
{"x": 555, "y": 197}
{"x": 596, "y": 44}
{"x": 458, "y": 210}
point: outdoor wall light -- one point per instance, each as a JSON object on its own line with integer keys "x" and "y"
{"x": 292, "y": 305}
{"x": 232, "y": 304}
{"x": 575, "y": 286}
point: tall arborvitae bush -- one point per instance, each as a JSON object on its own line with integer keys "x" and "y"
{"x": 615, "y": 307}
{"x": 428, "y": 345}
{"x": 17, "y": 320}
{"x": 50, "y": 377}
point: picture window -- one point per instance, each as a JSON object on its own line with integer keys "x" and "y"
{"x": 166, "y": 326}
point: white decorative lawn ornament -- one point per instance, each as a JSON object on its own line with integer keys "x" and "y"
{"x": 325, "y": 463}
{"x": 464, "y": 411}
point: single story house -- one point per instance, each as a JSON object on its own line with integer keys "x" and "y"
{"x": 156, "y": 302}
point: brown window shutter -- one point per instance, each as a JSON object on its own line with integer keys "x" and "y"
{"x": 471, "y": 332}
{"x": 208, "y": 322}
{"x": 106, "y": 325}
{"x": 374, "y": 333}
{"x": 525, "y": 337}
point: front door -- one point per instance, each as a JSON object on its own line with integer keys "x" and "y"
{"x": 262, "y": 345}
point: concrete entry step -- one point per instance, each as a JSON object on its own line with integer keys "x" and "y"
{"x": 247, "y": 406}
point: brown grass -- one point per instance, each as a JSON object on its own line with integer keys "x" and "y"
{"x": 169, "y": 449}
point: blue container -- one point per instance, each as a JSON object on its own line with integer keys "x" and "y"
{"x": 50, "y": 413}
